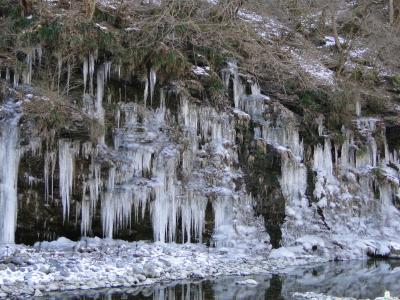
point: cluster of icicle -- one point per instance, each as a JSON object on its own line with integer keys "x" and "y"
{"x": 144, "y": 170}
{"x": 330, "y": 163}
{"x": 281, "y": 134}
{"x": 33, "y": 56}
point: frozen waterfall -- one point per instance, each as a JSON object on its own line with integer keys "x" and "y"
{"x": 9, "y": 158}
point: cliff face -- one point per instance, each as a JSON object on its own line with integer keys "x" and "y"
{"x": 214, "y": 155}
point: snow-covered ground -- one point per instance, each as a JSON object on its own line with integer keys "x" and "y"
{"x": 315, "y": 296}
{"x": 95, "y": 263}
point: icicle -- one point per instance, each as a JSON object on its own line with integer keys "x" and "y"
{"x": 107, "y": 206}
{"x": 386, "y": 150}
{"x": 86, "y": 150}
{"x": 85, "y": 74}
{"x": 320, "y": 123}
{"x": 49, "y": 162}
{"x": 100, "y": 92}
{"x": 164, "y": 208}
{"x": 66, "y": 152}
{"x": 153, "y": 80}
{"x": 223, "y": 221}
{"x": 282, "y": 137}
{"x": 323, "y": 159}
{"x": 9, "y": 158}
{"x": 16, "y": 79}
{"x": 107, "y": 71}
{"x": 7, "y": 74}
{"x": 367, "y": 156}
{"x": 27, "y": 74}
{"x": 346, "y": 154}
{"x": 358, "y": 109}
{"x": 193, "y": 211}
{"x": 85, "y": 212}
{"x": 91, "y": 72}
{"x": 146, "y": 92}
{"x": 293, "y": 183}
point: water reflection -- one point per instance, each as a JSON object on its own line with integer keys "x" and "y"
{"x": 358, "y": 279}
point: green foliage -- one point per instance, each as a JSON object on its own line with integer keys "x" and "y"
{"x": 374, "y": 105}
{"x": 101, "y": 16}
{"x": 290, "y": 86}
{"x": 171, "y": 62}
{"x": 337, "y": 107}
{"x": 396, "y": 81}
{"x": 214, "y": 56}
{"x": 19, "y": 22}
{"x": 50, "y": 34}
{"x": 313, "y": 99}
{"x": 214, "y": 88}
{"x": 367, "y": 75}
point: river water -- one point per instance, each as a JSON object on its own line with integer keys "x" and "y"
{"x": 358, "y": 279}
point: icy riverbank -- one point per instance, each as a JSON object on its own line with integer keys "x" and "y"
{"x": 95, "y": 263}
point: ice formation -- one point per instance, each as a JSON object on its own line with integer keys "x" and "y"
{"x": 147, "y": 167}
{"x": 9, "y": 158}
{"x": 66, "y": 153}
{"x": 171, "y": 160}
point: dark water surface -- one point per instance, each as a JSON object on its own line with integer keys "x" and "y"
{"x": 358, "y": 279}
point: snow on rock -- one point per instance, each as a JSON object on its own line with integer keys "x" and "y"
{"x": 266, "y": 26}
{"x": 330, "y": 41}
{"x": 316, "y": 296}
{"x": 282, "y": 253}
{"x": 314, "y": 68}
{"x": 201, "y": 71}
{"x": 247, "y": 282}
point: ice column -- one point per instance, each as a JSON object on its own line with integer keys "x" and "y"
{"x": 9, "y": 158}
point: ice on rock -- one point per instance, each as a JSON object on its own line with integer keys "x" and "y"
{"x": 254, "y": 103}
{"x": 323, "y": 159}
{"x": 293, "y": 182}
{"x": 247, "y": 282}
{"x": 283, "y": 137}
{"x": 9, "y": 158}
{"x": 223, "y": 219}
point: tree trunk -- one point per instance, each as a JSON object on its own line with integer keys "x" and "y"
{"x": 26, "y": 6}
{"x": 391, "y": 12}
{"x": 322, "y": 20}
{"x": 335, "y": 32}
{"x": 90, "y": 6}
